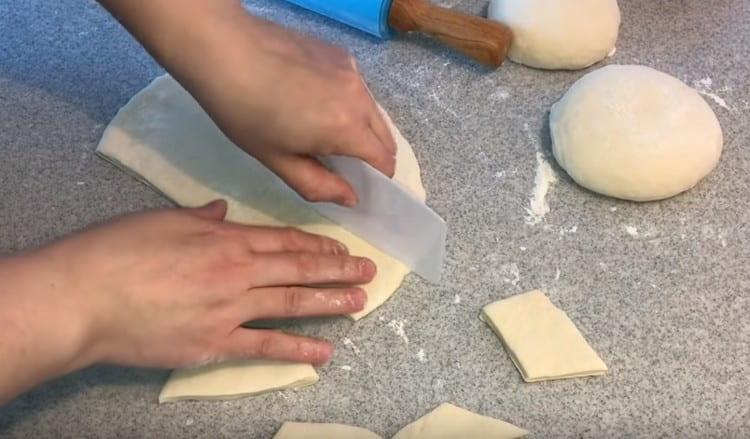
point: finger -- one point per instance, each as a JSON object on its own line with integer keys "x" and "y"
{"x": 363, "y": 144}
{"x": 290, "y": 302}
{"x": 275, "y": 345}
{"x": 281, "y": 269}
{"x": 379, "y": 125}
{"x": 215, "y": 210}
{"x": 313, "y": 181}
{"x": 288, "y": 240}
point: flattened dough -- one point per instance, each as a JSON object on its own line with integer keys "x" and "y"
{"x": 451, "y": 422}
{"x": 233, "y": 380}
{"x": 309, "y": 430}
{"x": 163, "y": 137}
{"x": 541, "y": 340}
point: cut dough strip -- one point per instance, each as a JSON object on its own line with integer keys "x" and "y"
{"x": 311, "y": 430}
{"x": 234, "y": 380}
{"x": 451, "y": 422}
{"x": 445, "y": 422}
{"x": 542, "y": 341}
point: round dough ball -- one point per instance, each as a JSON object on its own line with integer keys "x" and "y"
{"x": 635, "y": 133}
{"x": 559, "y": 34}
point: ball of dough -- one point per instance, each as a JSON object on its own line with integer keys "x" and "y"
{"x": 559, "y": 34}
{"x": 635, "y": 133}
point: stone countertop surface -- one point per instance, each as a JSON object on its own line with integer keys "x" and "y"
{"x": 660, "y": 290}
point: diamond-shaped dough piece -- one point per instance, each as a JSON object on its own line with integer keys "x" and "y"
{"x": 237, "y": 379}
{"x": 309, "y": 430}
{"x": 451, "y": 422}
{"x": 541, "y": 340}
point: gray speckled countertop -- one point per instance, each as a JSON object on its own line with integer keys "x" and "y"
{"x": 667, "y": 309}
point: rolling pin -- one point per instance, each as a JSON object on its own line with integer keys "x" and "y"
{"x": 483, "y": 40}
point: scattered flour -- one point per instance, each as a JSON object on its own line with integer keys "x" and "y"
{"x": 510, "y": 273}
{"x": 350, "y": 344}
{"x": 543, "y": 180}
{"x": 421, "y": 356}
{"x": 564, "y": 231}
{"x": 446, "y": 3}
{"x": 500, "y": 94}
{"x": 456, "y": 299}
{"x": 703, "y": 86}
{"x": 398, "y": 328}
{"x": 346, "y": 368}
{"x": 632, "y": 231}
{"x": 557, "y": 274}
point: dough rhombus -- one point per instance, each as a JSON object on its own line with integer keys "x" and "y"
{"x": 542, "y": 341}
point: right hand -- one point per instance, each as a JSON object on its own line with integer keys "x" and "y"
{"x": 282, "y": 97}
{"x": 287, "y": 99}
{"x": 171, "y": 288}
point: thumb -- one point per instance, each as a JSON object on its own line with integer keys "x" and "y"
{"x": 214, "y": 211}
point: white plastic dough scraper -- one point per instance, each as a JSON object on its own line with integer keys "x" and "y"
{"x": 389, "y": 217}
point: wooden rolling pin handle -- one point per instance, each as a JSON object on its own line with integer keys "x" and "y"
{"x": 483, "y": 40}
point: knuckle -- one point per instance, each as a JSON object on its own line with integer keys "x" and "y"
{"x": 342, "y": 116}
{"x": 292, "y": 300}
{"x": 307, "y": 266}
{"x": 326, "y": 148}
{"x": 329, "y": 245}
{"x": 231, "y": 252}
{"x": 342, "y": 54}
{"x": 351, "y": 79}
{"x": 265, "y": 346}
{"x": 292, "y": 238}
{"x": 347, "y": 267}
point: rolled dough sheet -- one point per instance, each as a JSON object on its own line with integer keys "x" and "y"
{"x": 237, "y": 379}
{"x": 451, "y": 422}
{"x": 163, "y": 137}
{"x": 308, "y": 430}
{"x": 541, "y": 340}
{"x": 166, "y": 139}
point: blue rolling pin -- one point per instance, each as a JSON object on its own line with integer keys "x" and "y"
{"x": 483, "y": 40}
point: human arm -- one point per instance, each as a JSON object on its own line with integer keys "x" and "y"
{"x": 282, "y": 97}
{"x": 168, "y": 288}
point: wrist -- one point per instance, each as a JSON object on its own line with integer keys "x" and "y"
{"x": 45, "y": 333}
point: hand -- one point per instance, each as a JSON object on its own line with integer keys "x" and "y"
{"x": 169, "y": 288}
{"x": 286, "y": 99}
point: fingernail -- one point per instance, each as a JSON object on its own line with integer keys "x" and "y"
{"x": 392, "y": 167}
{"x": 357, "y": 299}
{"x": 349, "y": 202}
{"x": 323, "y": 352}
{"x": 367, "y": 267}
